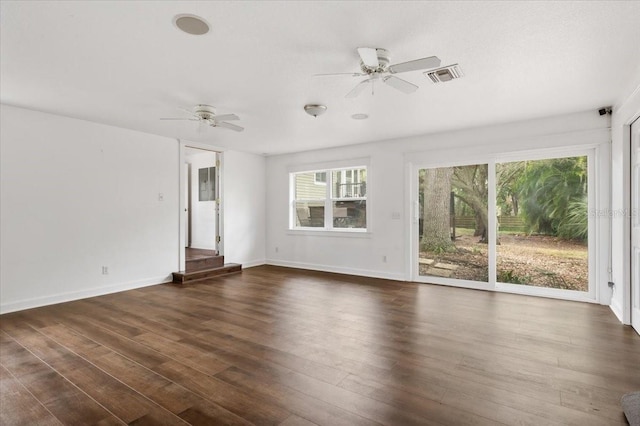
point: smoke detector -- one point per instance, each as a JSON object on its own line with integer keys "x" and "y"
{"x": 444, "y": 74}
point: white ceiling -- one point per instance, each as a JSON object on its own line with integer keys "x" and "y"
{"x": 125, "y": 64}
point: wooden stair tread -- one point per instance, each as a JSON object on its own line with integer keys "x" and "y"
{"x": 183, "y": 277}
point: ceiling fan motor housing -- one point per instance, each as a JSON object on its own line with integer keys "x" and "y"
{"x": 383, "y": 62}
{"x": 205, "y": 112}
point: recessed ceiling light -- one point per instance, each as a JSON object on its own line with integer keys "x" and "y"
{"x": 360, "y": 116}
{"x": 191, "y": 24}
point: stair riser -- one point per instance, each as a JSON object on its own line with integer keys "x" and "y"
{"x": 184, "y": 278}
{"x": 206, "y": 263}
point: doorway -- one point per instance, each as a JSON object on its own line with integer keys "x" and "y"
{"x": 200, "y": 221}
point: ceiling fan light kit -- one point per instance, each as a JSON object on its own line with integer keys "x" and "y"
{"x": 315, "y": 109}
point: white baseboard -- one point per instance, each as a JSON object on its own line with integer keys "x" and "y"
{"x": 252, "y": 263}
{"x": 53, "y": 299}
{"x": 339, "y": 270}
{"x": 617, "y": 309}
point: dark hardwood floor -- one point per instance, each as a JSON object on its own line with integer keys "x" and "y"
{"x": 282, "y": 346}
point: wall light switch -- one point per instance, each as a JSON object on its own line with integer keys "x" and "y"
{"x": 160, "y": 196}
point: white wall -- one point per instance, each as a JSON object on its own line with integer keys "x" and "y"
{"x": 203, "y": 213}
{"x": 76, "y": 196}
{"x": 244, "y": 206}
{"x": 626, "y": 109}
{"x": 362, "y": 254}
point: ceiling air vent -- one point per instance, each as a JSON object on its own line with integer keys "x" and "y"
{"x": 444, "y": 74}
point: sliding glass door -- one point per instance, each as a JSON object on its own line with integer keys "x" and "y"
{"x": 519, "y": 225}
{"x": 543, "y": 219}
{"x": 453, "y": 222}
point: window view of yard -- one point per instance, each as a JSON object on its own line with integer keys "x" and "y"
{"x": 542, "y": 219}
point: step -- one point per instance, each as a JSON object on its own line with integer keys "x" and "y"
{"x": 184, "y": 277}
{"x": 200, "y": 252}
{"x": 200, "y": 263}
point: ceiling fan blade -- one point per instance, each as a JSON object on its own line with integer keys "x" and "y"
{"x": 352, "y": 74}
{"x": 188, "y": 119}
{"x": 188, "y": 111}
{"x": 400, "y": 84}
{"x": 358, "y": 89}
{"x": 418, "y": 64}
{"x": 369, "y": 56}
{"x": 225, "y": 117}
{"x": 228, "y": 126}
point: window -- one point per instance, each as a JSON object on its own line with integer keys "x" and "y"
{"x": 330, "y": 199}
{"x": 320, "y": 178}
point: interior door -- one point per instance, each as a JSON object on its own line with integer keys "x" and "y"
{"x": 635, "y": 225}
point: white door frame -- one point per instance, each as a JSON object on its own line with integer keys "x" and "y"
{"x": 634, "y": 288}
{"x": 182, "y": 146}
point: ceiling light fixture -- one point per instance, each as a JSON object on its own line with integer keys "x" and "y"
{"x": 360, "y": 116}
{"x": 315, "y": 109}
{"x": 191, "y": 24}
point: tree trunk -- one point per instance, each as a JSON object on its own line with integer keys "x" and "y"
{"x": 481, "y": 227}
{"x": 471, "y": 185}
{"x": 481, "y": 214}
{"x": 436, "y": 222}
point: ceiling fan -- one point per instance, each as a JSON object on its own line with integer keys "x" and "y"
{"x": 206, "y": 115}
{"x": 374, "y": 64}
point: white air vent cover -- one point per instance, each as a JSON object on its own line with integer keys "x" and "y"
{"x": 444, "y": 74}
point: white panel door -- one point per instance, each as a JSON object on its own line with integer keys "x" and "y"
{"x": 635, "y": 225}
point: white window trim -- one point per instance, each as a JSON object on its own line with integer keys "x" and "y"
{"x": 328, "y": 229}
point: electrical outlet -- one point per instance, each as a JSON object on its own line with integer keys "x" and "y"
{"x": 384, "y": 259}
{"x": 105, "y": 270}
{"x": 160, "y": 196}
{"x": 277, "y": 249}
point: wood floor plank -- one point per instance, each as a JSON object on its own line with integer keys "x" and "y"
{"x": 280, "y": 346}
{"x": 250, "y": 407}
{"x": 59, "y": 396}
{"x": 294, "y": 420}
{"x": 313, "y": 409}
{"x": 119, "y": 399}
{"x": 175, "y": 392}
{"x": 18, "y": 406}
